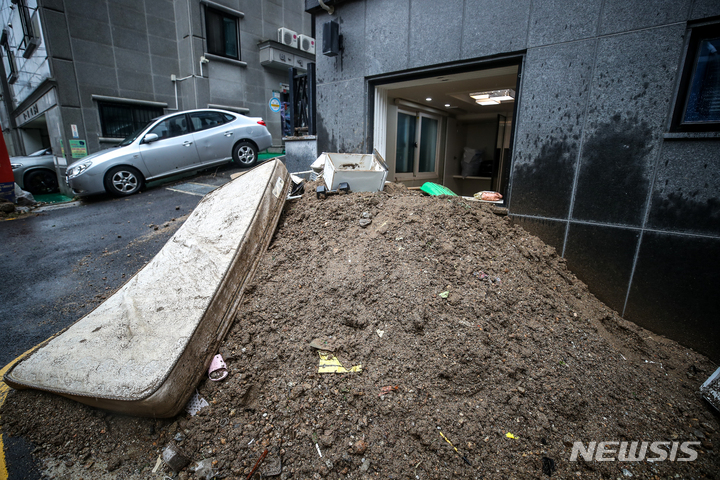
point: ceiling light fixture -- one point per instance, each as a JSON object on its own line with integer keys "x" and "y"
{"x": 447, "y": 105}
{"x": 428, "y": 99}
{"x": 494, "y": 97}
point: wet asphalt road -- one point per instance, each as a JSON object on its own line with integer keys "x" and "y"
{"x": 57, "y": 265}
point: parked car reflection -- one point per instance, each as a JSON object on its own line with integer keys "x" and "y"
{"x": 169, "y": 145}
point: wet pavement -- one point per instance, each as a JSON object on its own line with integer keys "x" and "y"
{"x": 59, "y": 263}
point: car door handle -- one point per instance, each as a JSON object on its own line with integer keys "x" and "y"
{"x": 187, "y": 144}
{"x": 228, "y": 134}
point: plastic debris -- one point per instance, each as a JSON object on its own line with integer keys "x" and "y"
{"x": 510, "y": 435}
{"x": 195, "y": 404}
{"x": 330, "y": 364}
{"x": 203, "y": 469}
{"x": 218, "y": 369}
{"x": 444, "y": 294}
{"x": 272, "y": 465}
{"x": 388, "y": 389}
{"x": 157, "y": 464}
{"x": 380, "y": 333}
{"x": 174, "y": 458}
{"x": 323, "y": 343}
{"x": 488, "y": 196}
{"x": 710, "y": 390}
{"x": 455, "y": 448}
{"x": 434, "y": 189}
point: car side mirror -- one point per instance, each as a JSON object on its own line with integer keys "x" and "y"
{"x": 150, "y": 137}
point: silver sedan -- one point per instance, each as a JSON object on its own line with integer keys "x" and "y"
{"x": 168, "y": 145}
{"x": 36, "y": 172}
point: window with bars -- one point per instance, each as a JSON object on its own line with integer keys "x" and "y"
{"x": 221, "y": 31}
{"x": 698, "y": 105}
{"x": 120, "y": 120}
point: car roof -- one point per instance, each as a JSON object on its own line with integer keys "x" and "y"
{"x": 167, "y": 115}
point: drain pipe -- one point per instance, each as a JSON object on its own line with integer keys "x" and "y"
{"x": 327, "y": 8}
{"x": 175, "y": 80}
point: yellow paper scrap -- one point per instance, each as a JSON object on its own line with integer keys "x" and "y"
{"x": 330, "y": 364}
{"x": 510, "y": 435}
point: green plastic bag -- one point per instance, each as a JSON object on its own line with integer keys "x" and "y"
{"x": 435, "y": 189}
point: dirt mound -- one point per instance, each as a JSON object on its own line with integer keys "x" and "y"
{"x": 463, "y": 324}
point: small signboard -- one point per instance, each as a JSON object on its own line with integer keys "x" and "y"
{"x": 75, "y": 131}
{"x": 275, "y": 104}
{"x": 78, "y": 148}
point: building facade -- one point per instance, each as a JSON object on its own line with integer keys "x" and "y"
{"x": 598, "y": 121}
{"x": 80, "y": 75}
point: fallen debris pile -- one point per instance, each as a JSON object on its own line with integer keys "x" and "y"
{"x": 479, "y": 355}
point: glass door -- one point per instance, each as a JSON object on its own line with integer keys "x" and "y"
{"x": 406, "y": 143}
{"x": 417, "y": 146}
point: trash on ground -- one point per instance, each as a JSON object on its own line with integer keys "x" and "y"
{"x": 203, "y": 469}
{"x": 710, "y": 390}
{"x": 434, "y": 189}
{"x": 319, "y": 164}
{"x": 323, "y": 343}
{"x": 510, "y": 435}
{"x": 488, "y": 196}
{"x": 257, "y": 464}
{"x": 195, "y": 404}
{"x": 548, "y": 466}
{"x": 365, "y": 172}
{"x": 272, "y": 465}
{"x": 388, "y": 389}
{"x": 444, "y": 294}
{"x": 23, "y": 198}
{"x": 380, "y": 333}
{"x": 157, "y": 464}
{"x": 330, "y": 364}
{"x": 322, "y": 191}
{"x": 174, "y": 458}
{"x": 455, "y": 448}
{"x": 218, "y": 369}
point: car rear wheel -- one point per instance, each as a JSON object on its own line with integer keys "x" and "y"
{"x": 39, "y": 182}
{"x": 123, "y": 181}
{"x": 245, "y": 154}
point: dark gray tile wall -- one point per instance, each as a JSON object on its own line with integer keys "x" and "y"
{"x": 622, "y": 16}
{"x": 686, "y": 193}
{"x": 551, "y": 232}
{"x": 674, "y": 289}
{"x": 628, "y": 110}
{"x": 563, "y": 21}
{"x": 602, "y": 256}
{"x": 550, "y": 124}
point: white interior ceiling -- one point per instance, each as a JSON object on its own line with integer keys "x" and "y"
{"x": 455, "y": 90}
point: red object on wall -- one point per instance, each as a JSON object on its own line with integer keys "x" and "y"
{"x": 7, "y": 179}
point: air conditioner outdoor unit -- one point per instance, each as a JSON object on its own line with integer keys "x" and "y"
{"x": 306, "y": 44}
{"x": 287, "y": 37}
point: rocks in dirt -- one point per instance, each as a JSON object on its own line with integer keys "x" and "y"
{"x": 365, "y": 222}
{"x": 359, "y": 447}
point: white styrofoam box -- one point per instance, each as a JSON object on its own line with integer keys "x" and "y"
{"x": 363, "y": 172}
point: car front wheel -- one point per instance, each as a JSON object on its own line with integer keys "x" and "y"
{"x": 245, "y": 154}
{"x": 39, "y": 182}
{"x": 123, "y": 181}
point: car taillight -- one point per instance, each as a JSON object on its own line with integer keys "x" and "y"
{"x": 262, "y": 122}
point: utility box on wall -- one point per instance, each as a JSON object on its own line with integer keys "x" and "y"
{"x": 331, "y": 39}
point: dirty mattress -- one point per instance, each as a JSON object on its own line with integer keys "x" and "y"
{"x": 144, "y": 349}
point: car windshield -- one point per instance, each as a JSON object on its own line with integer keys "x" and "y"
{"x": 131, "y": 138}
{"x": 40, "y": 153}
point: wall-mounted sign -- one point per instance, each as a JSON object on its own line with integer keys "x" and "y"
{"x": 74, "y": 131}
{"x": 38, "y": 108}
{"x": 275, "y": 104}
{"x": 78, "y": 148}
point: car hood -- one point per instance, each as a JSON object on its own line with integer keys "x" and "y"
{"x": 103, "y": 155}
{"x": 41, "y": 158}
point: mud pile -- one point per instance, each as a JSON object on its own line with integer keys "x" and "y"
{"x": 464, "y": 325}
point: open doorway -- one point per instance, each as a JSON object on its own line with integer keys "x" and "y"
{"x": 452, "y": 129}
